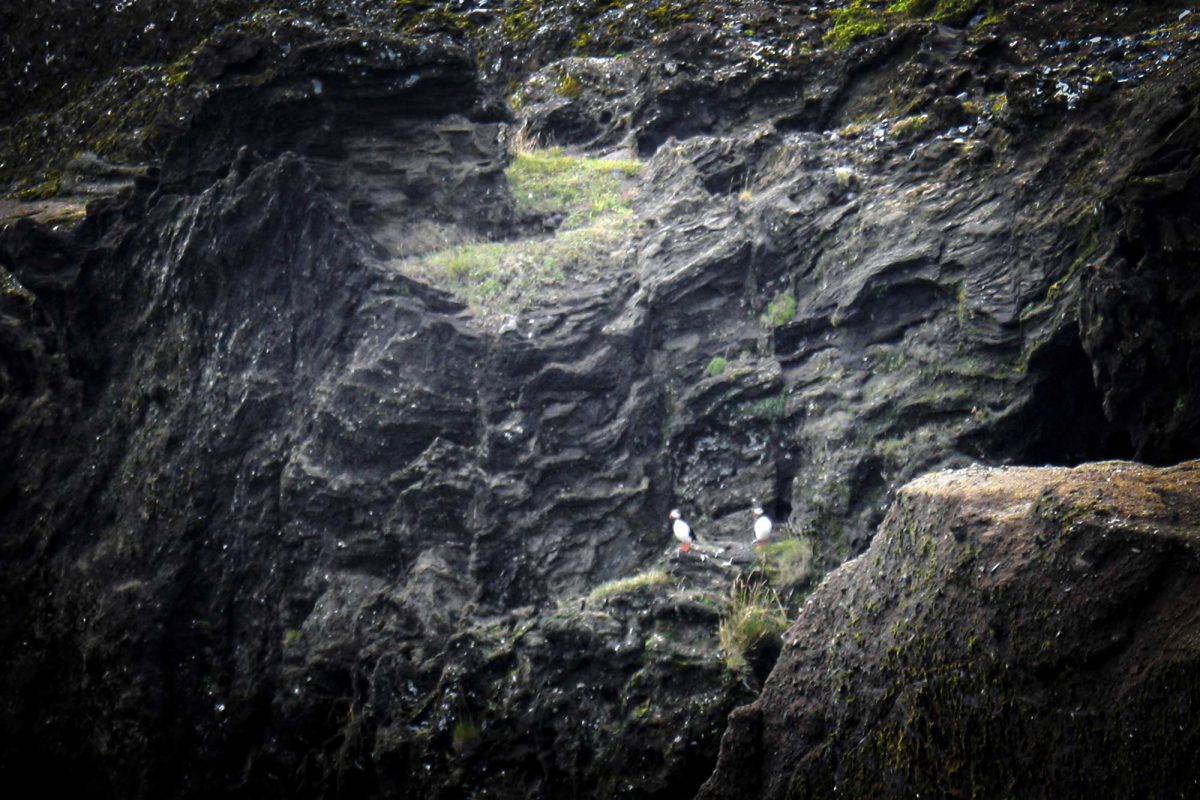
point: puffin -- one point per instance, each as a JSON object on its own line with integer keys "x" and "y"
{"x": 682, "y": 531}
{"x": 762, "y": 527}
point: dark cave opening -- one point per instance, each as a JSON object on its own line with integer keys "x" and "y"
{"x": 1064, "y": 423}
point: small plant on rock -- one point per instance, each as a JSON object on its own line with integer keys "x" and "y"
{"x": 755, "y": 619}
{"x": 909, "y": 127}
{"x": 717, "y": 366}
{"x": 781, "y": 311}
{"x": 466, "y": 734}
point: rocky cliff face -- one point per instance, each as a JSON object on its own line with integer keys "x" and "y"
{"x": 1022, "y": 632}
{"x": 331, "y": 430}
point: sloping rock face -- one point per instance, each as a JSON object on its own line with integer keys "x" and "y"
{"x": 321, "y": 489}
{"x": 286, "y": 520}
{"x": 1010, "y": 632}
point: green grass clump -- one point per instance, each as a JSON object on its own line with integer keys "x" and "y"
{"x": 772, "y": 409}
{"x": 909, "y": 127}
{"x": 649, "y": 579}
{"x": 595, "y": 200}
{"x": 508, "y": 276}
{"x": 716, "y": 366}
{"x": 551, "y": 181}
{"x": 789, "y": 562}
{"x": 51, "y": 187}
{"x": 178, "y": 72}
{"x": 754, "y": 618}
{"x": 781, "y": 311}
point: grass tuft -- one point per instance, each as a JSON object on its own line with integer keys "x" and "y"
{"x": 466, "y": 735}
{"x": 651, "y": 578}
{"x": 584, "y": 189}
{"x": 781, "y": 311}
{"x": 754, "y": 618}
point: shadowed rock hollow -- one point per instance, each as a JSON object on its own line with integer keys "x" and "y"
{"x": 335, "y": 412}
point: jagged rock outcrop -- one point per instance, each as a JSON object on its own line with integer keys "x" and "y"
{"x": 1010, "y": 632}
{"x": 291, "y": 515}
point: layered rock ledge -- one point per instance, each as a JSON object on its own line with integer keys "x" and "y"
{"x": 1010, "y": 633}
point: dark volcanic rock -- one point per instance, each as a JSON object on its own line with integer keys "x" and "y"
{"x": 294, "y": 513}
{"x": 319, "y": 487}
{"x": 1010, "y": 632}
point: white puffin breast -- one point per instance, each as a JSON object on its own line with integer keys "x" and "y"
{"x": 682, "y": 531}
{"x": 762, "y": 527}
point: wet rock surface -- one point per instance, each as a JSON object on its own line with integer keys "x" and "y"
{"x": 1025, "y": 632}
{"x": 288, "y": 519}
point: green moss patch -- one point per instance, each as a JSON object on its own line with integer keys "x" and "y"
{"x": 716, "y": 366}
{"x": 909, "y": 127}
{"x": 864, "y": 18}
{"x": 789, "y": 562}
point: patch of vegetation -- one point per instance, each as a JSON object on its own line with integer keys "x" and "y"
{"x": 781, "y": 310}
{"x": 420, "y": 16}
{"x": 651, "y": 578}
{"x": 909, "y": 127}
{"x": 856, "y": 21}
{"x": 844, "y": 176}
{"x": 864, "y": 18}
{"x": 508, "y": 276}
{"x": 769, "y": 408}
{"x": 568, "y": 86}
{"x": 955, "y": 12}
{"x": 754, "y": 618}
{"x": 51, "y": 187}
{"x": 666, "y": 14}
{"x": 466, "y": 734}
{"x": 592, "y": 196}
{"x": 994, "y": 17}
{"x": 519, "y": 24}
{"x": 177, "y": 72}
{"x": 716, "y": 366}
{"x": 789, "y": 562}
{"x": 552, "y": 181}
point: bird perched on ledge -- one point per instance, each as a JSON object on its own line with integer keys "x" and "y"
{"x": 762, "y": 527}
{"x": 683, "y": 531}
